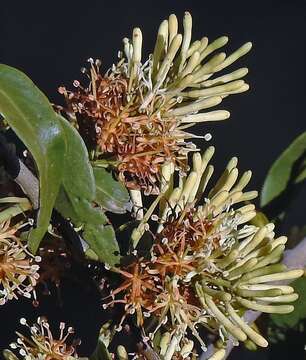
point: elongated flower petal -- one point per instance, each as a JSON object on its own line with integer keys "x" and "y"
{"x": 137, "y": 111}
{"x": 18, "y": 267}
{"x": 207, "y": 264}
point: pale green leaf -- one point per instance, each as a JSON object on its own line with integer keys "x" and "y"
{"x": 102, "y": 240}
{"x": 75, "y": 200}
{"x": 110, "y": 194}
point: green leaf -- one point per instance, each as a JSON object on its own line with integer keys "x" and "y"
{"x": 76, "y": 196}
{"x": 30, "y": 115}
{"x": 98, "y": 234}
{"x": 78, "y": 178}
{"x": 78, "y": 184}
{"x": 302, "y": 174}
{"x": 299, "y": 313}
{"x": 102, "y": 240}
{"x": 64, "y": 206}
{"x": 62, "y": 161}
{"x": 110, "y": 194}
{"x": 280, "y": 173}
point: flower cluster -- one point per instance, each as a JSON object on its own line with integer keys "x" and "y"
{"x": 138, "y": 111}
{"x": 169, "y": 346}
{"x": 18, "y": 267}
{"x": 202, "y": 261}
{"x": 208, "y": 263}
{"x": 42, "y": 345}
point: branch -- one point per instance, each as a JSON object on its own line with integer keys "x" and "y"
{"x": 293, "y": 259}
{"x": 18, "y": 171}
{"x": 29, "y": 184}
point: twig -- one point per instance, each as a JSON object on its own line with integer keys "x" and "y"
{"x": 29, "y": 184}
{"x": 18, "y": 171}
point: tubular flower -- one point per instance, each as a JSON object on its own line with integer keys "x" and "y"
{"x": 18, "y": 267}
{"x": 137, "y": 112}
{"x": 169, "y": 346}
{"x": 207, "y": 264}
{"x": 42, "y": 345}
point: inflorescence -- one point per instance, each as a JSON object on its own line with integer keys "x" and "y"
{"x": 42, "y": 344}
{"x": 138, "y": 111}
{"x": 208, "y": 264}
{"x": 18, "y": 267}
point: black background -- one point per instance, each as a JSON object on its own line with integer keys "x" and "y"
{"x": 51, "y": 40}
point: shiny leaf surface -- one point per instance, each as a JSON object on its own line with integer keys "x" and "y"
{"x": 30, "y": 115}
